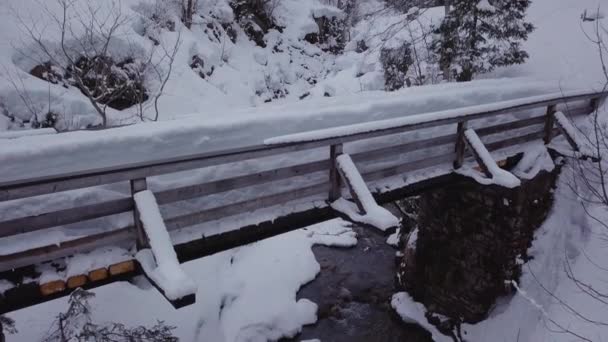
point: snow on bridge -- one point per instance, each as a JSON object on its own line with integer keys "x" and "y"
{"x": 140, "y": 217}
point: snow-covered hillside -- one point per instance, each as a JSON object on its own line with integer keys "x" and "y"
{"x": 232, "y": 71}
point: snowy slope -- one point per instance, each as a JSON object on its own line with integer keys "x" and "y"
{"x": 246, "y": 75}
{"x": 559, "y": 49}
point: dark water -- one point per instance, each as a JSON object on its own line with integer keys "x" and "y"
{"x": 353, "y": 292}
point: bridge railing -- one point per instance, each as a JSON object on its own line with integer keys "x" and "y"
{"x": 443, "y": 144}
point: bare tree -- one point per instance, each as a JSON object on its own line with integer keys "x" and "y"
{"x": 7, "y": 325}
{"x": 84, "y": 56}
{"x": 76, "y": 325}
{"x": 590, "y": 182}
{"x": 168, "y": 57}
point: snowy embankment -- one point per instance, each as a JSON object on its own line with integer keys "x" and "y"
{"x": 548, "y": 302}
{"x": 85, "y": 150}
{"x": 245, "y": 294}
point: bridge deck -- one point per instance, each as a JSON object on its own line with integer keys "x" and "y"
{"x": 286, "y": 186}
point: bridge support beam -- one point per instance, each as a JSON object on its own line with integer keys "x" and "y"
{"x": 486, "y": 162}
{"x": 368, "y": 211}
{"x": 148, "y": 220}
{"x": 159, "y": 262}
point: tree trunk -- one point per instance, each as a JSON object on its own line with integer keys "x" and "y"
{"x": 188, "y": 13}
{"x": 446, "y": 67}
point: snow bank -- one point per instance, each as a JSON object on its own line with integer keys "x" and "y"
{"x": 414, "y": 313}
{"x": 245, "y": 294}
{"x": 26, "y": 132}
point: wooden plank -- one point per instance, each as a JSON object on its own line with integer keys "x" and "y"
{"x": 223, "y": 185}
{"x": 460, "y": 144}
{"x": 382, "y": 153}
{"x": 549, "y": 123}
{"x": 52, "y": 287}
{"x": 386, "y": 152}
{"x": 51, "y": 252}
{"x": 508, "y": 126}
{"x": 409, "y": 166}
{"x": 73, "y": 215}
{"x": 83, "y": 179}
{"x": 43, "y": 185}
{"x": 508, "y": 142}
{"x": 334, "y": 175}
{"x": 77, "y": 281}
{"x": 64, "y": 217}
{"x": 211, "y": 244}
{"x": 578, "y": 111}
{"x": 122, "y": 268}
{"x": 99, "y": 274}
{"x": 243, "y": 207}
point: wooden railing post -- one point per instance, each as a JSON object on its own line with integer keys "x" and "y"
{"x": 138, "y": 185}
{"x": 594, "y": 102}
{"x": 334, "y": 174}
{"x": 460, "y": 144}
{"x": 549, "y": 123}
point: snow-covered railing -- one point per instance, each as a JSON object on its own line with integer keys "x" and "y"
{"x": 379, "y": 167}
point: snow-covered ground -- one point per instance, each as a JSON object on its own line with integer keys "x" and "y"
{"x": 246, "y": 294}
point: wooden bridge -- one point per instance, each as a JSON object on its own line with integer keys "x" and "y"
{"x": 393, "y": 158}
